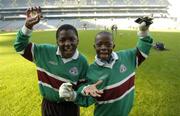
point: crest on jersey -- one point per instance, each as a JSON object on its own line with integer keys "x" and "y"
{"x": 122, "y": 68}
{"x": 73, "y": 71}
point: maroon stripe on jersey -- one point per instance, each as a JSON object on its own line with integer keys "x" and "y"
{"x": 118, "y": 91}
{"x": 27, "y": 53}
{"x": 141, "y": 58}
{"x": 43, "y": 77}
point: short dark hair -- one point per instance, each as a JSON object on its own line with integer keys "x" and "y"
{"x": 103, "y": 32}
{"x": 66, "y": 27}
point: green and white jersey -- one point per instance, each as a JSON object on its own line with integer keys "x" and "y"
{"x": 52, "y": 69}
{"x": 118, "y": 80}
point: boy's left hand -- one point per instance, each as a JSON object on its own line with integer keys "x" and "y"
{"x": 92, "y": 89}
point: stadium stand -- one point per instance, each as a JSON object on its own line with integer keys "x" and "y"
{"x": 92, "y": 13}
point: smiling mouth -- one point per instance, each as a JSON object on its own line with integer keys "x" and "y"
{"x": 104, "y": 53}
{"x": 68, "y": 51}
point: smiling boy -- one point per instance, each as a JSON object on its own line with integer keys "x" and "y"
{"x": 116, "y": 70}
{"x": 56, "y": 64}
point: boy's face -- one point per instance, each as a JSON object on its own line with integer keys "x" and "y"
{"x": 104, "y": 46}
{"x": 67, "y": 42}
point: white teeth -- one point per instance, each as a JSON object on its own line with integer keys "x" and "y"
{"x": 104, "y": 53}
{"x": 68, "y": 50}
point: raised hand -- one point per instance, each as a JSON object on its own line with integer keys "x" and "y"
{"x": 92, "y": 89}
{"x": 144, "y": 22}
{"x": 33, "y": 16}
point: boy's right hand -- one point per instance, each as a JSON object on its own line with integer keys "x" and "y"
{"x": 144, "y": 22}
{"x": 33, "y": 16}
{"x": 66, "y": 91}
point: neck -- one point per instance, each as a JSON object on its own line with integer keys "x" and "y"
{"x": 108, "y": 60}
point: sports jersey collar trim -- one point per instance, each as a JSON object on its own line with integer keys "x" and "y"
{"x": 65, "y": 60}
{"x": 108, "y": 65}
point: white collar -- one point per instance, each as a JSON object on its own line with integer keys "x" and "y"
{"x": 65, "y": 60}
{"x": 108, "y": 65}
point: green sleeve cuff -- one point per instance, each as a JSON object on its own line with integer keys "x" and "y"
{"x": 21, "y": 42}
{"x": 23, "y": 36}
{"x": 144, "y": 45}
{"x": 84, "y": 101}
{"x": 79, "y": 91}
{"x": 26, "y": 31}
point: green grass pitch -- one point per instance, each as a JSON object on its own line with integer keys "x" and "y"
{"x": 157, "y": 79}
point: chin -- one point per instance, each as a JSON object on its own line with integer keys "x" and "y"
{"x": 104, "y": 58}
{"x": 67, "y": 55}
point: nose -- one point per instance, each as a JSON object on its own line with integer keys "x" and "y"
{"x": 103, "y": 48}
{"x": 67, "y": 43}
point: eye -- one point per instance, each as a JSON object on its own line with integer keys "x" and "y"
{"x": 62, "y": 39}
{"x": 98, "y": 45}
{"x": 106, "y": 45}
{"x": 72, "y": 39}
{"x": 109, "y": 45}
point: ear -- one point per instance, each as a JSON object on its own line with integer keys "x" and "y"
{"x": 113, "y": 46}
{"x": 94, "y": 46}
{"x": 57, "y": 41}
{"x": 77, "y": 41}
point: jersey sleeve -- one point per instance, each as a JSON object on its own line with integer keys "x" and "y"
{"x": 82, "y": 77}
{"x": 143, "y": 47}
{"x": 25, "y": 48}
{"x": 138, "y": 54}
{"x": 91, "y": 77}
{"x": 84, "y": 101}
{"x": 85, "y": 66}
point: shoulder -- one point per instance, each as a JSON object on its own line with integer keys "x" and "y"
{"x": 46, "y": 46}
{"x": 126, "y": 52}
{"x": 93, "y": 67}
{"x": 82, "y": 58}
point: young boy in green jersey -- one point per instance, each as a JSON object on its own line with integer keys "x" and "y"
{"x": 116, "y": 70}
{"x": 56, "y": 64}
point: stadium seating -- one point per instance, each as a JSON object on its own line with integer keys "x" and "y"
{"x": 79, "y": 12}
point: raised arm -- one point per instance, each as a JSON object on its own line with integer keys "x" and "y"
{"x": 22, "y": 44}
{"x": 144, "y": 43}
